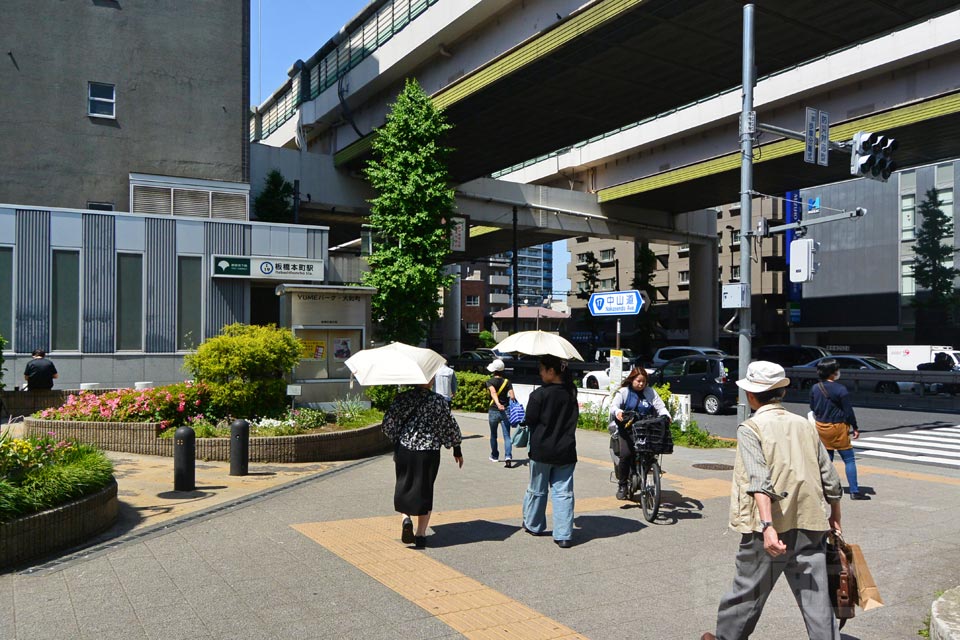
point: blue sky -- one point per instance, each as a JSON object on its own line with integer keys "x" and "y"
{"x": 283, "y": 31}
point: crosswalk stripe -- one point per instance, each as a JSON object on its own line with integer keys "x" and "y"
{"x": 917, "y": 449}
{"x": 900, "y": 456}
{"x": 937, "y": 443}
{"x": 947, "y": 429}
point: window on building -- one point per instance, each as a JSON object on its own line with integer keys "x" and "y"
{"x": 473, "y": 327}
{"x": 908, "y": 284}
{"x": 100, "y": 206}
{"x": 607, "y": 254}
{"x": 944, "y": 175}
{"x": 189, "y": 293}
{"x": 735, "y": 237}
{"x": 473, "y": 301}
{"x": 684, "y": 277}
{"x": 65, "y": 301}
{"x": 946, "y": 202}
{"x": 581, "y": 286}
{"x": 908, "y": 210}
{"x": 581, "y": 258}
{"x": 735, "y": 211}
{"x": 6, "y": 295}
{"x": 683, "y": 248}
{"x": 129, "y": 302}
{"x": 735, "y": 273}
{"x": 101, "y": 100}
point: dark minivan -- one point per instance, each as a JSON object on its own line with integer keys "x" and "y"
{"x": 711, "y": 381}
{"x": 790, "y": 355}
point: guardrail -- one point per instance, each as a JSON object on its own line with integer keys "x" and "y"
{"x": 932, "y": 390}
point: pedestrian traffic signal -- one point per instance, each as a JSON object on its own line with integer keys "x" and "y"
{"x": 802, "y": 264}
{"x": 871, "y": 156}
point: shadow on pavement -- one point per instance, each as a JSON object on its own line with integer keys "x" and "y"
{"x": 456, "y": 533}
{"x": 598, "y": 527}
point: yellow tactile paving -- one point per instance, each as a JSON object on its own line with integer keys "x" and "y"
{"x": 466, "y": 605}
{"x": 459, "y": 601}
{"x": 906, "y": 475}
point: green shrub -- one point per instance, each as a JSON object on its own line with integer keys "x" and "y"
{"x": 381, "y": 397}
{"x": 471, "y": 395}
{"x": 245, "y": 369}
{"x": 486, "y": 339}
{"x": 593, "y": 417}
{"x": 309, "y": 418}
{"x": 41, "y": 473}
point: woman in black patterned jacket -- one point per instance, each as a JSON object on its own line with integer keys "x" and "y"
{"x": 419, "y": 422}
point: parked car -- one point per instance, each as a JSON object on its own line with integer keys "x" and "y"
{"x": 603, "y": 355}
{"x": 710, "y": 380}
{"x": 473, "y": 361}
{"x": 862, "y": 363}
{"x": 666, "y": 354}
{"x": 790, "y": 355}
{"x": 492, "y": 354}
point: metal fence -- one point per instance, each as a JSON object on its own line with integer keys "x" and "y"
{"x": 326, "y": 71}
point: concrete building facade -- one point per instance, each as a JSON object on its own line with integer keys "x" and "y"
{"x": 96, "y": 91}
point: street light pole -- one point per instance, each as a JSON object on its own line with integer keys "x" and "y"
{"x": 747, "y": 130}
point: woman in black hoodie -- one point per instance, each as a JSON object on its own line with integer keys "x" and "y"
{"x": 551, "y": 415}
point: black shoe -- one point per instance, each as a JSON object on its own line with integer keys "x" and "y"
{"x": 564, "y": 544}
{"x": 406, "y": 533}
{"x": 533, "y": 533}
{"x": 508, "y": 464}
{"x": 622, "y": 492}
{"x": 859, "y": 496}
{"x": 421, "y": 542}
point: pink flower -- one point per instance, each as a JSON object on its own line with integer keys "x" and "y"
{"x": 181, "y": 406}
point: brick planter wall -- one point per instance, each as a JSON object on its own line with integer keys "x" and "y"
{"x": 64, "y": 526}
{"x": 142, "y": 438}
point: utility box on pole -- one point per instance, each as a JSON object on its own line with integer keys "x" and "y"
{"x": 802, "y": 263}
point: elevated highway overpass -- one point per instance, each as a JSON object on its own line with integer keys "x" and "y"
{"x": 650, "y": 85}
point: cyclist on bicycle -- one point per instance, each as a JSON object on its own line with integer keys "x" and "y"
{"x": 633, "y": 395}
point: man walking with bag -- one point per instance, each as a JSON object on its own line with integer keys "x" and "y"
{"x": 782, "y": 482}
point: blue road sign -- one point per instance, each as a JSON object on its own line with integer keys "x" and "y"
{"x": 615, "y": 303}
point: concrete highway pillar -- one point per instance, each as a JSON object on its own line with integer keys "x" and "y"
{"x": 704, "y": 294}
{"x": 451, "y": 315}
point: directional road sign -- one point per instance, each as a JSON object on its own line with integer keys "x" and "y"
{"x": 616, "y": 303}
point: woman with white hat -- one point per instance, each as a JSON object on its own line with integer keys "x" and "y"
{"x": 501, "y": 393}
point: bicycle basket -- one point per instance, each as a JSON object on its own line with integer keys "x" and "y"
{"x": 652, "y": 435}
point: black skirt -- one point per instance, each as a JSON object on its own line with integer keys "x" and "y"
{"x": 416, "y": 473}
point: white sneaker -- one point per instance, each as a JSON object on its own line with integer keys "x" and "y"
{"x": 492, "y": 459}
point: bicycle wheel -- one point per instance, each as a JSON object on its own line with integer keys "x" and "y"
{"x": 650, "y": 492}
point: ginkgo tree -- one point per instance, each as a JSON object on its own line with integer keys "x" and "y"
{"x": 410, "y": 217}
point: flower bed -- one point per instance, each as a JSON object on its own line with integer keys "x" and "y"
{"x": 143, "y": 438}
{"x": 53, "y": 493}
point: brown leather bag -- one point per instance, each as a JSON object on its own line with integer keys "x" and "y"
{"x": 842, "y": 579}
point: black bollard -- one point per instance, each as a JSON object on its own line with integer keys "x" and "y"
{"x": 239, "y": 447}
{"x": 184, "y": 459}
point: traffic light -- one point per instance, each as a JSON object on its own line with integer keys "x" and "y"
{"x": 802, "y": 264}
{"x": 871, "y": 156}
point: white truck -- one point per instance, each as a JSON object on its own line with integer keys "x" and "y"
{"x": 909, "y": 356}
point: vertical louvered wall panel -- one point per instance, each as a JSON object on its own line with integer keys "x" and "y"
{"x": 99, "y": 283}
{"x": 161, "y": 266}
{"x": 228, "y": 300}
{"x": 33, "y": 281}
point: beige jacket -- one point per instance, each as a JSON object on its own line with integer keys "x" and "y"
{"x": 794, "y": 470}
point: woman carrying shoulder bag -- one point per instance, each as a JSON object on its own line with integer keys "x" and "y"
{"x": 830, "y": 404}
{"x": 501, "y": 393}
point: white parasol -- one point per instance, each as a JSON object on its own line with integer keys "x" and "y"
{"x": 395, "y": 363}
{"x": 539, "y": 343}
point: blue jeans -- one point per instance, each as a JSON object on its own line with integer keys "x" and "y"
{"x": 495, "y": 416}
{"x": 851, "y": 467}
{"x": 559, "y": 480}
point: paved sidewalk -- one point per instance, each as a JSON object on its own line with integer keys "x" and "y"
{"x": 316, "y": 554}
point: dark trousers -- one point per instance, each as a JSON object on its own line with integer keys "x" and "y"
{"x": 627, "y": 456}
{"x": 805, "y": 567}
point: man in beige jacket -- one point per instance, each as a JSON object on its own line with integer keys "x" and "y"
{"x": 782, "y": 483}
